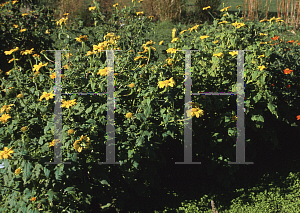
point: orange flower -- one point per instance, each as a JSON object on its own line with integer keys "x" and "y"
{"x": 33, "y": 199}
{"x": 275, "y": 38}
{"x": 272, "y": 85}
{"x": 287, "y": 71}
{"x": 288, "y": 86}
{"x": 298, "y": 117}
{"x": 290, "y": 41}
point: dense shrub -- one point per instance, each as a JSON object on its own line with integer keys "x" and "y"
{"x": 149, "y": 111}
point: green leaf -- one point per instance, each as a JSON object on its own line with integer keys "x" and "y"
{"x": 162, "y": 110}
{"x": 58, "y": 172}
{"x": 88, "y": 110}
{"x": 37, "y": 169}
{"x": 135, "y": 164}
{"x": 47, "y": 172}
{"x": 50, "y": 194}
{"x": 140, "y": 140}
{"x": 104, "y": 182}
{"x": 257, "y": 97}
{"x": 27, "y": 173}
{"x": 141, "y": 117}
{"x": 257, "y": 118}
{"x": 34, "y": 120}
{"x": 271, "y": 107}
{"x": 130, "y": 153}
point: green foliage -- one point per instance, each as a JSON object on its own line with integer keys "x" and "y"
{"x": 157, "y": 112}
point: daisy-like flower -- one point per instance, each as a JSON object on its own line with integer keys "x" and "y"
{"x": 4, "y": 118}
{"x": 71, "y": 131}
{"x": 24, "y": 128}
{"x": 68, "y": 103}
{"x": 37, "y": 67}
{"x": 171, "y": 50}
{"x": 166, "y": 83}
{"x": 6, "y": 108}
{"x": 53, "y": 143}
{"x": 47, "y": 96}
{"x": 197, "y": 112}
{"x": 82, "y": 143}
{"x": 17, "y": 171}
{"x": 6, "y": 153}
{"x": 131, "y": 85}
{"x": 128, "y": 115}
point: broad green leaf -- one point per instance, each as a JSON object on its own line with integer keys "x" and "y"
{"x": 104, "y": 182}
{"x": 47, "y": 172}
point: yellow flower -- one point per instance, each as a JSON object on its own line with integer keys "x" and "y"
{"x": 262, "y": 67}
{"x": 139, "y": 13}
{"x": 205, "y": 8}
{"x": 115, "y": 5}
{"x": 6, "y": 108}
{"x": 24, "y": 128}
{"x": 14, "y": 2}
{"x": 52, "y": 76}
{"x": 161, "y": 42}
{"x": 166, "y": 83}
{"x": 80, "y": 37}
{"x": 6, "y": 153}
{"x": 23, "y": 30}
{"x": 238, "y": 25}
{"x": 4, "y": 118}
{"x": 131, "y": 85}
{"x": 47, "y": 96}
{"x": 171, "y": 50}
{"x": 174, "y": 40}
{"x": 11, "y": 51}
{"x": 197, "y": 111}
{"x": 194, "y": 27}
{"x": 173, "y": 32}
{"x": 68, "y": 103}
{"x": 102, "y": 72}
{"x": 39, "y": 66}
{"x": 11, "y": 60}
{"x": 66, "y": 14}
{"x": 71, "y": 131}
{"x": 16, "y": 26}
{"x": 218, "y": 55}
{"x": 54, "y": 142}
{"x": 203, "y": 37}
{"x": 140, "y": 1}
{"x": 17, "y": 171}
{"x": 150, "y": 17}
{"x": 233, "y": 53}
{"x": 183, "y": 31}
{"x": 25, "y": 14}
{"x": 225, "y": 9}
{"x": 237, "y": 7}
{"x": 128, "y": 115}
{"x": 62, "y": 20}
{"x": 92, "y": 8}
{"x": 47, "y": 31}
{"x": 20, "y": 96}
{"x": 27, "y": 51}
{"x": 234, "y": 118}
{"x": 216, "y": 41}
{"x": 78, "y": 146}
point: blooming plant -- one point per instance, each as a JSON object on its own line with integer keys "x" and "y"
{"x": 149, "y": 103}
